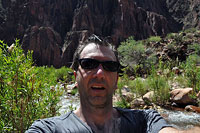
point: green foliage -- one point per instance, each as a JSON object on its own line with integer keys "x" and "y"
{"x": 138, "y": 86}
{"x": 171, "y": 36}
{"x": 195, "y": 48}
{"x": 193, "y": 71}
{"x": 135, "y": 56}
{"x": 190, "y": 30}
{"x": 155, "y": 59}
{"x": 154, "y": 39}
{"x": 62, "y": 74}
{"x": 122, "y": 104}
{"x": 25, "y": 92}
{"x": 160, "y": 87}
{"x": 121, "y": 83}
{"x": 74, "y": 91}
{"x": 71, "y": 107}
{"x": 131, "y": 51}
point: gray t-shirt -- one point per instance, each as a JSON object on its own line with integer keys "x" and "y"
{"x": 131, "y": 121}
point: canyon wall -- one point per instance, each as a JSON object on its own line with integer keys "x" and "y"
{"x": 54, "y": 28}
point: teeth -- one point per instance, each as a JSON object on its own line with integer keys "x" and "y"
{"x": 97, "y": 86}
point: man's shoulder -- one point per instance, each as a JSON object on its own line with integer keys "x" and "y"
{"x": 136, "y": 111}
{"x": 135, "y": 114}
{"x": 148, "y": 121}
{"x": 48, "y": 124}
{"x": 63, "y": 117}
{"x": 58, "y": 124}
{"x": 56, "y": 119}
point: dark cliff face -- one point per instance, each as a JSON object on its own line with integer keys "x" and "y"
{"x": 186, "y": 12}
{"x": 54, "y": 28}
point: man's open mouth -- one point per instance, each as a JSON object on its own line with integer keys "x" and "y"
{"x": 97, "y": 88}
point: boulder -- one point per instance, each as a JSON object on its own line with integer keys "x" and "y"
{"x": 181, "y": 96}
{"x": 192, "y": 108}
{"x": 137, "y": 102}
{"x": 70, "y": 88}
{"x": 128, "y": 96}
{"x": 148, "y": 96}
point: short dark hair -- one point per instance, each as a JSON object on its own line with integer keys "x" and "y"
{"x": 92, "y": 39}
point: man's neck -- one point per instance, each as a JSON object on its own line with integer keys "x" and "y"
{"x": 95, "y": 114}
{"x": 99, "y": 119}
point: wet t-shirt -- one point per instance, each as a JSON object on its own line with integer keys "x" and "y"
{"x": 131, "y": 121}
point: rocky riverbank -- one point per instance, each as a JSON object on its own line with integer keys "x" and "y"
{"x": 178, "y": 117}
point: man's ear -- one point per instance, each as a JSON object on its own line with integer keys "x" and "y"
{"x": 116, "y": 82}
{"x": 75, "y": 74}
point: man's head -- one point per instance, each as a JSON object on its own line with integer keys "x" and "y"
{"x": 96, "y": 71}
{"x": 92, "y": 39}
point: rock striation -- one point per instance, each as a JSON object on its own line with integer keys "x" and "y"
{"x": 53, "y": 29}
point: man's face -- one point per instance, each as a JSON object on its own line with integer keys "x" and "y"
{"x": 96, "y": 86}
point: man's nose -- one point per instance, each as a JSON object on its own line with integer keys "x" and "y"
{"x": 100, "y": 72}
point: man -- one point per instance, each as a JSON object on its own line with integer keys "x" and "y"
{"x": 96, "y": 68}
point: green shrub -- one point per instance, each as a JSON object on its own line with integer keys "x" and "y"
{"x": 138, "y": 86}
{"x": 160, "y": 86}
{"x": 62, "y": 74}
{"x": 133, "y": 55}
{"x": 154, "y": 39}
{"x": 171, "y": 36}
{"x": 25, "y": 92}
{"x": 131, "y": 51}
{"x": 123, "y": 80}
{"x": 122, "y": 104}
{"x": 193, "y": 71}
{"x": 190, "y": 30}
{"x": 195, "y": 48}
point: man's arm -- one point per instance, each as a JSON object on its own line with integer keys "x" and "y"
{"x": 174, "y": 130}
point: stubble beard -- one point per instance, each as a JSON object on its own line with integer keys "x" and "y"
{"x": 95, "y": 102}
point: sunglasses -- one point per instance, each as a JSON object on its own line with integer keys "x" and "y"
{"x": 88, "y": 63}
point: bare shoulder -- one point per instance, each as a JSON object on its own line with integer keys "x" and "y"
{"x": 174, "y": 130}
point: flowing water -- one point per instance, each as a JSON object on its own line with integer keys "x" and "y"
{"x": 68, "y": 103}
{"x": 182, "y": 119}
{"x": 179, "y": 119}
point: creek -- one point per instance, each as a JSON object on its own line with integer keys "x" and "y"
{"x": 179, "y": 119}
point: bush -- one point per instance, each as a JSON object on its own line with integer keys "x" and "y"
{"x": 138, "y": 86}
{"x": 25, "y": 92}
{"x": 133, "y": 54}
{"x": 171, "y": 36}
{"x": 195, "y": 48}
{"x": 193, "y": 71}
{"x": 121, "y": 83}
{"x": 131, "y": 51}
{"x": 160, "y": 86}
{"x": 190, "y": 30}
{"x": 154, "y": 39}
{"x": 62, "y": 74}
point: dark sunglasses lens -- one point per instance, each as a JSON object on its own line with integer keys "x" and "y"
{"x": 111, "y": 66}
{"x": 88, "y": 63}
